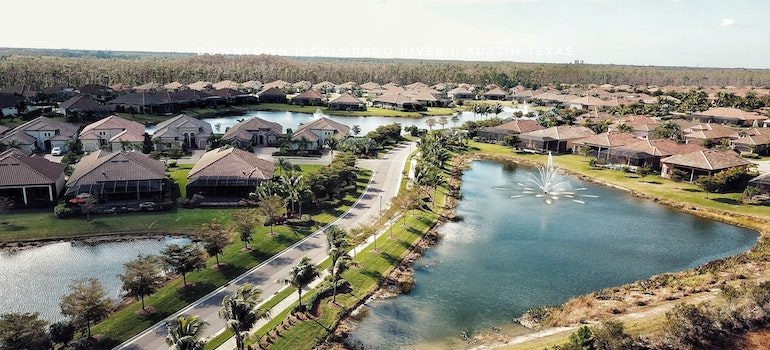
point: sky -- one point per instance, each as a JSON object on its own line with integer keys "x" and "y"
{"x": 699, "y": 33}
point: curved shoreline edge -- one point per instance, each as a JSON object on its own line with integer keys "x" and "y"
{"x": 462, "y": 162}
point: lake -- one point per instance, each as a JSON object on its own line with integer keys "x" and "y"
{"x": 35, "y": 279}
{"x": 293, "y": 120}
{"x": 512, "y": 254}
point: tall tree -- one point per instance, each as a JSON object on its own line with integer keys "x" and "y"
{"x": 274, "y": 208}
{"x": 141, "y": 277}
{"x": 184, "y": 333}
{"x": 23, "y": 332}
{"x": 300, "y": 275}
{"x": 241, "y": 312}
{"x": 87, "y": 302}
{"x": 147, "y": 145}
{"x": 184, "y": 259}
{"x": 356, "y": 129}
{"x": 215, "y": 237}
{"x": 443, "y": 121}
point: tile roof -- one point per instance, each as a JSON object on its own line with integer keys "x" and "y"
{"x": 519, "y": 126}
{"x": 242, "y": 130}
{"x": 661, "y": 147}
{"x": 347, "y": 99}
{"x": 170, "y": 128}
{"x": 730, "y": 113}
{"x": 19, "y": 134}
{"x": 17, "y": 168}
{"x": 707, "y": 160}
{"x": 561, "y": 132}
{"x": 226, "y": 84}
{"x": 132, "y": 131}
{"x": 609, "y": 139}
{"x": 103, "y": 166}
{"x": 83, "y": 102}
{"x": 232, "y": 162}
{"x": 324, "y": 123}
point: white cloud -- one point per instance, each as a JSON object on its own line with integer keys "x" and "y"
{"x": 727, "y": 22}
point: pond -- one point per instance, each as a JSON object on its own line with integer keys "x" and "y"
{"x": 35, "y": 279}
{"x": 508, "y": 255}
{"x": 293, "y": 120}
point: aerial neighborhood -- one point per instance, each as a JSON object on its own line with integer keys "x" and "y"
{"x": 622, "y": 126}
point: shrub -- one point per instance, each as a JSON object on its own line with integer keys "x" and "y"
{"x": 730, "y": 180}
{"x": 155, "y": 154}
{"x": 644, "y": 171}
{"x": 175, "y": 152}
{"x": 172, "y": 164}
{"x": 62, "y": 211}
{"x": 690, "y": 326}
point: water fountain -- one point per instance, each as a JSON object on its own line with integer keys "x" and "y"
{"x": 551, "y": 185}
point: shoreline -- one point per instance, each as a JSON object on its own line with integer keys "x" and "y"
{"x": 111, "y": 237}
{"x": 481, "y": 338}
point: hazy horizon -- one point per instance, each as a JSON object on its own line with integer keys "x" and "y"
{"x": 675, "y": 33}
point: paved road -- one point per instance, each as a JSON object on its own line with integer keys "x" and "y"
{"x": 382, "y": 188}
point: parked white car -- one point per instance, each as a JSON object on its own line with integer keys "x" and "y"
{"x": 56, "y": 151}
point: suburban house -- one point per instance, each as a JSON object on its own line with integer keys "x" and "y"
{"x": 313, "y": 135}
{"x": 308, "y": 98}
{"x": 324, "y": 87}
{"x": 701, "y": 163}
{"x": 756, "y": 143}
{"x": 499, "y": 132}
{"x": 302, "y": 85}
{"x": 272, "y": 95}
{"x": 174, "y": 86}
{"x": 347, "y": 102}
{"x": 460, "y": 93}
{"x": 345, "y": 87}
{"x": 369, "y": 86}
{"x": 201, "y": 86}
{"x": 600, "y": 145}
{"x": 586, "y": 102}
{"x": 150, "y": 103}
{"x": 183, "y": 131}
{"x": 557, "y": 139}
{"x": 233, "y": 96}
{"x": 227, "y": 175}
{"x": 278, "y": 84}
{"x": 30, "y": 180}
{"x": 83, "y": 107}
{"x": 648, "y": 153}
{"x": 495, "y": 94}
{"x": 226, "y": 84}
{"x": 112, "y": 132}
{"x": 251, "y": 86}
{"x": 726, "y": 115}
{"x": 700, "y": 133}
{"x": 253, "y": 132}
{"x": 9, "y": 104}
{"x": 150, "y": 87}
{"x": 124, "y": 178}
{"x": 641, "y": 126}
{"x": 97, "y": 91}
{"x": 400, "y": 100}
{"x": 41, "y": 134}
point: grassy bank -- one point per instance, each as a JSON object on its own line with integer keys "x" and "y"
{"x": 126, "y": 322}
{"x": 723, "y": 205}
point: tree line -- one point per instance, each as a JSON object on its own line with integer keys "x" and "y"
{"x": 42, "y": 70}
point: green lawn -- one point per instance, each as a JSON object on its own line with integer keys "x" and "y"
{"x": 179, "y": 174}
{"x": 125, "y": 323}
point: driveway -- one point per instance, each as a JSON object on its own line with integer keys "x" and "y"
{"x": 55, "y": 159}
{"x": 383, "y": 186}
{"x": 763, "y": 166}
{"x": 267, "y": 153}
{"x": 192, "y": 159}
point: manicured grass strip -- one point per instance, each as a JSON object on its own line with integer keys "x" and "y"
{"x": 179, "y": 174}
{"x": 126, "y": 322}
{"x": 372, "y": 266}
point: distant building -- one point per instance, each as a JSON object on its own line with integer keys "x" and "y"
{"x": 254, "y": 132}
{"x": 701, "y": 163}
{"x": 272, "y": 95}
{"x": 83, "y": 107}
{"x": 347, "y": 102}
{"x": 113, "y": 133}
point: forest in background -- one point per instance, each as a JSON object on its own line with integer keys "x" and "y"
{"x": 47, "y": 67}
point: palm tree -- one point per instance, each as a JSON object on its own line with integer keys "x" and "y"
{"x": 293, "y": 185}
{"x": 356, "y": 129}
{"x": 332, "y": 143}
{"x": 301, "y": 275}
{"x": 455, "y": 119}
{"x": 497, "y": 109}
{"x": 336, "y": 239}
{"x": 241, "y": 312}
{"x": 184, "y": 333}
